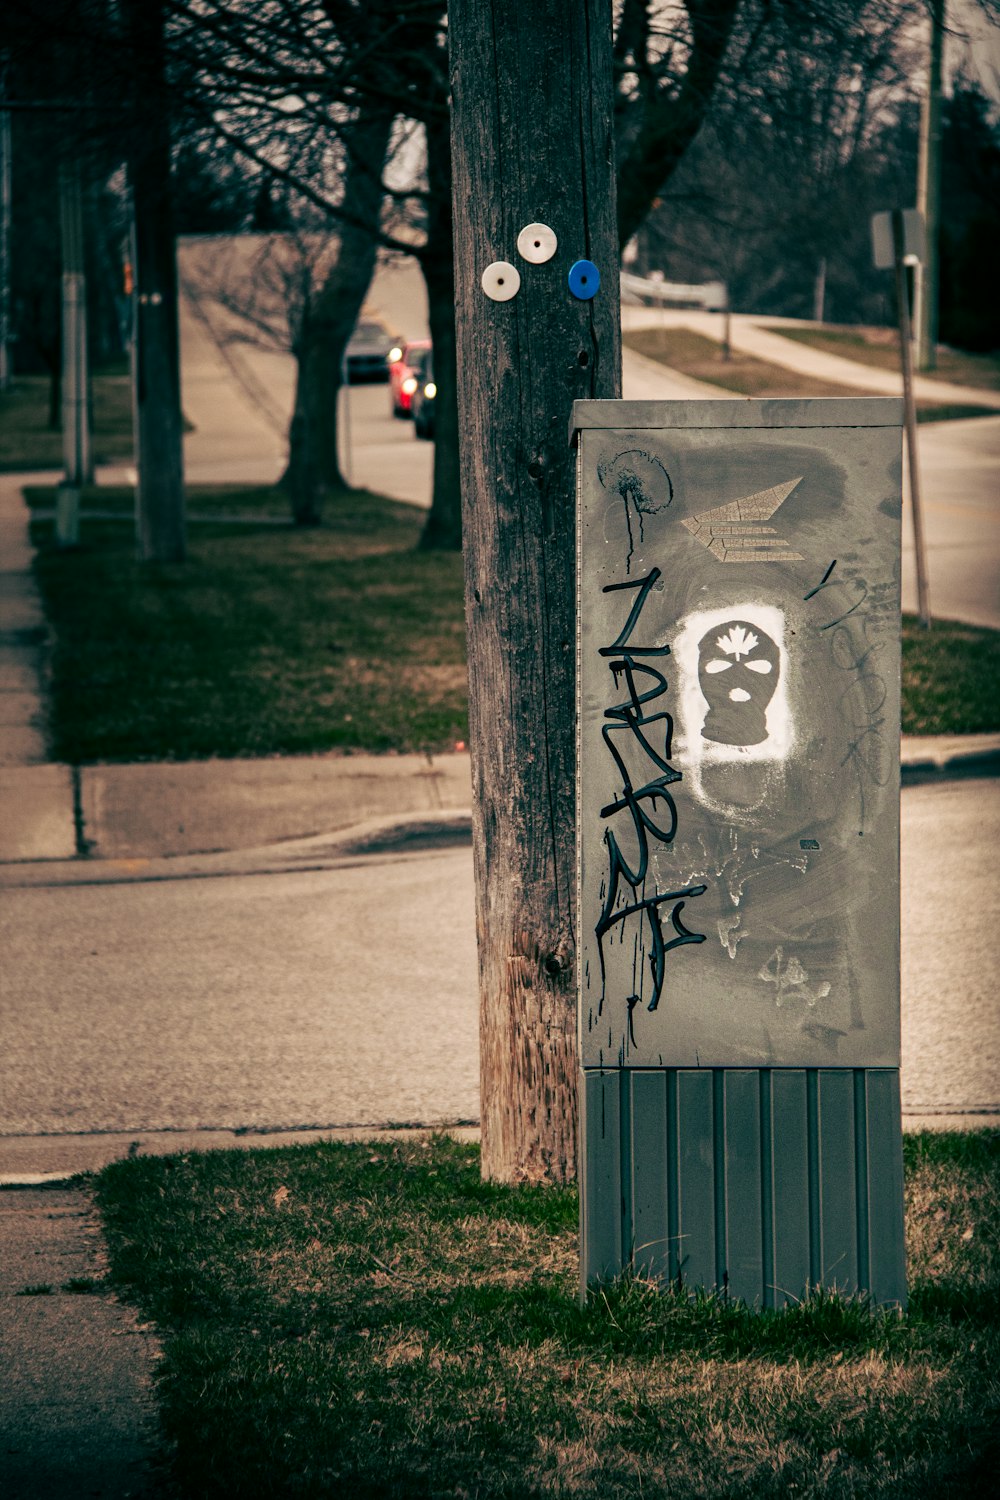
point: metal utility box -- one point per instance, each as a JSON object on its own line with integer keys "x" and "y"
{"x": 738, "y": 842}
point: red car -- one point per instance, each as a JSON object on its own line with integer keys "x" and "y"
{"x": 403, "y": 371}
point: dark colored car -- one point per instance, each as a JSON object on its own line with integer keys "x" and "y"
{"x": 422, "y": 400}
{"x": 368, "y": 351}
{"x": 403, "y": 374}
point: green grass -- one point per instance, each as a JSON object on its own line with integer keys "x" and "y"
{"x": 951, "y": 678}
{"x": 268, "y": 639}
{"x": 880, "y": 347}
{"x": 373, "y": 1320}
{"x": 273, "y": 640}
{"x": 26, "y": 440}
{"x": 229, "y": 503}
{"x": 700, "y": 357}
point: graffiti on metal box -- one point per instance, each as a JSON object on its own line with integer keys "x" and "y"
{"x": 739, "y": 716}
{"x": 639, "y": 735}
{"x": 644, "y": 487}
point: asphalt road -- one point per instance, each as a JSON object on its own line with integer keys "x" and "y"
{"x": 951, "y": 917}
{"x": 960, "y": 486}
{"x": 347, "y": 995}
{"x": 340, "y": 997}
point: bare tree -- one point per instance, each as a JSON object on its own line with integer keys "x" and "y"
{"x": 262, "y": 291}
{"x": 349, "y": 68}
{"x": 347, "y": 59}
{"x": 330, "y": 318}
{"x": 667, "y": 64}
{"x": 302, "y": 293}
{"x": 808, "y": 124}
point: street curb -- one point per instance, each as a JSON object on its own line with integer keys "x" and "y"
{"x": 387, "y": 838}
{"x": 103, "y": 1149}
{"x": 93, "y": 1152}
{"x": 983, "y": 761}
{"x": 53, "y": 828}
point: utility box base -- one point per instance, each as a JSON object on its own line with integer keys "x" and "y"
{"x": 759, "y": 1183}
{"x": 738, "y": 844}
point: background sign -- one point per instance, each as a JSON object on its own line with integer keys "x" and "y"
{"x": 739, "y": 733}
{"x": 914, "y": 240}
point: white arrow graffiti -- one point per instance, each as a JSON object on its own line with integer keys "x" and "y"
{"x": 734, "y": 534}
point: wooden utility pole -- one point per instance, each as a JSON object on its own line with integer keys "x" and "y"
{"x": 531, "y": 145}
{"x": 160, "y": 530}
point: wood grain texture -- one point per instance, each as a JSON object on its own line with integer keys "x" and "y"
{"x": 531, "y": 141}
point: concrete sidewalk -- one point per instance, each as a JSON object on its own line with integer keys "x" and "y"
{"x": 153, "y": 811}
{"x": 77, "y": 1414}
{"x": 761, "y": 337}
{"x": 176, "y": 810}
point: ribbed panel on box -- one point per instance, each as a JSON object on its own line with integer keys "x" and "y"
{"x": 761, "y": 1183}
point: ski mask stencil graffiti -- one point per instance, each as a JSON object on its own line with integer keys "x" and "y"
{"x": 733, "y": 682}
{"x": 738, "y": 670}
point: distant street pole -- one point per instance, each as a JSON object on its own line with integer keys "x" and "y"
{"x": 910, "y": 415}
{"x": 160, "y": 526}
{"x": 344, "y": 425}
{"x": 819, "y": 291}
{"x": 6, "y": 198}
{"x": 75, "y": 376}
{"x": 929, "y": 195}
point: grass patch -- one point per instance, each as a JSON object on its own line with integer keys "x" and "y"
{"x": 950, "y": 411}
{"x": 375, "y": 1320}
{"x": 268, "y": 639}
{"x": 28, "y": 442}
{"x": 700, "y": 357}
{"x": 274, "y": 640}
{"x": 227, "y": 503}
{"x": 951, "y": 678}
{"x": 880, "y": 347}
{"x": 83, "y": 1286}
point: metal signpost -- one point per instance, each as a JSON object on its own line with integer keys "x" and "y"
{"x": 738, "y": 835}
{"x": 898, "y": 238}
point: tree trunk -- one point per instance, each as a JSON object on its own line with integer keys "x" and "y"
{"x": 531, "y": 141}
{"x": 313, "y": 435}
{"x": 443, "y": 527}
{"x": 302, "y": 478}
{"x": 160, "y": 530}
